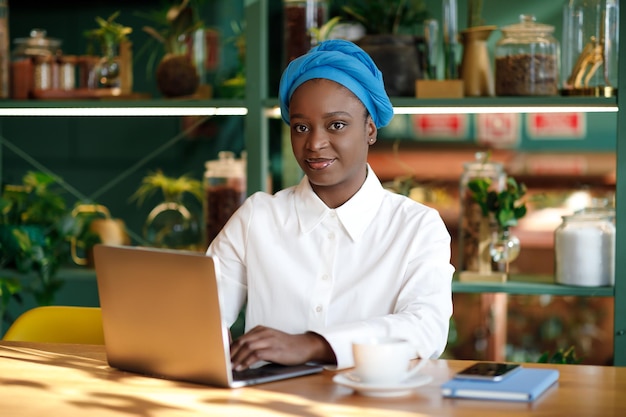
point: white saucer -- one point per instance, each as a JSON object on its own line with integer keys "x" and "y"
{"x": 399, "y": 389}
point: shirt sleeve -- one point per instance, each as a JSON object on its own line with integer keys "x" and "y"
{"x": 423, "y": 307}
{"x": 229, "y": 248}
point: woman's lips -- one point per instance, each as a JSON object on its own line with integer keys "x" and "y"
{"x": 318, "y": 164}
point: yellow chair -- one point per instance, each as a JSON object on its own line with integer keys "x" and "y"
{"x": 58, "y": 324}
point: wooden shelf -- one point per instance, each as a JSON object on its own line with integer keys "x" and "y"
{"x": 530, "y": 285}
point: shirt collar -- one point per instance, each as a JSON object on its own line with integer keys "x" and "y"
{"x": 355, "y": 215}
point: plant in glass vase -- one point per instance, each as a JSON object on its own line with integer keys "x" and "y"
{"x": 171, "y": 224}
{"x": 109, "y": 35}
{"x": 506, "y": 207}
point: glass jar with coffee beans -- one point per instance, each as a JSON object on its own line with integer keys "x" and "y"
{"x": 527, "y": 60}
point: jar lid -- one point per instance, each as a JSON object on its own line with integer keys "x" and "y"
{"x": 37, "y": 44}
{"x": 226, "y": 166}
{"x": 482, "y": 163}
{"x": 587, "y": 216}
{"x": 527, "y": 25}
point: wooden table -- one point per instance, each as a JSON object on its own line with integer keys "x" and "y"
{"x": 74, "y": 380}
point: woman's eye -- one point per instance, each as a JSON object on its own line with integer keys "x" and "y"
{"x": 300, "y": 128}
{"x": 337, "y": 125}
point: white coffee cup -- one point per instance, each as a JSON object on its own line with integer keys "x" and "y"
{"x": 383, "y": 360}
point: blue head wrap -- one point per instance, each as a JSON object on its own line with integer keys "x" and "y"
{"x": 344, "y": 63}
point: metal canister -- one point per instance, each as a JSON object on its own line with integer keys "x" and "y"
{"x": 67, "y": 73}
{"x": 43, "y": 72}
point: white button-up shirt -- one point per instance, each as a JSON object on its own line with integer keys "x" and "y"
{"x": 379, "y": 265}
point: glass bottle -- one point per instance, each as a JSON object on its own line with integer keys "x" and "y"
{"x": 225, "y": 191}
{"x": 584, "y": 247}
{"x": 504, "y": 248}
{"x": 590, "y": 47}
{"x": 171, "y": 224}
{"x": 527, "y": 60}
{"x": 475, "y": 234}
{"x": 301, "y": 18}
{"x": 106, "y": 72}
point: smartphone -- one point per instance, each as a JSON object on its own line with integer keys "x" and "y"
{"x": 488, "y": 371}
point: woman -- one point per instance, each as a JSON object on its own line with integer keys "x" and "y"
{"x": 335, "y": 257}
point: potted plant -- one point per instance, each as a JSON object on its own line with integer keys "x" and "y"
{"x": 171, "y": 223}
{"x": 95, "y": 226}
{"x": 35, "y": 226}
{"x": 10, "y": 288}
{"x": 176, "y": 74}
{"x": 561, "y": 356}
{"x": 391, "y": 28}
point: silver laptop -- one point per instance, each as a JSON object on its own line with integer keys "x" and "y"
{"x": 161, "y": 317}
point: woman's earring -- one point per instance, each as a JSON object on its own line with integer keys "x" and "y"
{"x": 371, "y": 140}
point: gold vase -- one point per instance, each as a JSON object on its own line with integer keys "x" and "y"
{"x": 475, "y": 65}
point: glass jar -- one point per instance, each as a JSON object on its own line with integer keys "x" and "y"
{"x": 28, "y": 57}
{"x": 590, "y": 47}
{"x": 527, "y": 60}
{"x": 476, "y": 231}
{"x": 301, "y": 18}
{"x": 584, "y": 246}
{"x": 225, "y": 191}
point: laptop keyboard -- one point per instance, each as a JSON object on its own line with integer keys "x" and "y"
{"x": 272, "y": 370}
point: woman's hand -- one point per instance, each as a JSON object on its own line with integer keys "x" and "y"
{"x": 266, "y": 344}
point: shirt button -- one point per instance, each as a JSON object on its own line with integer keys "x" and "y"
{"x": 325, "y": 277}
{"x": 318, "y": 309}
{"x": 333, "y": 214}
{"x": 331, "y": 236}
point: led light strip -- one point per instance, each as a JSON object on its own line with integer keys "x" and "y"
{"x": 124, "y": 111}
{"x": 504, "y": 109}
{"x": 275, "y": 112}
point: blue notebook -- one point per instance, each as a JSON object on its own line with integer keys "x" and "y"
{"x": 524, "y": 385}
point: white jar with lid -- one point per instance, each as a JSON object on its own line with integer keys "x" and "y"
{"x": 584, "y": 247}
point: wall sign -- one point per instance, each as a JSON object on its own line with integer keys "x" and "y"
{"x": 440, "y": 126}
{"x": 500, "y": 130}
{"x": 556, "y": 125}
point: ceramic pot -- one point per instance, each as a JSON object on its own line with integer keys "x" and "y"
{"x": 109, "y": 231}
{"x": 398, "y": 58}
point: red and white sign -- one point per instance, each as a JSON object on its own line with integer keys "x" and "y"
{"x": 500, "y": 130}
{"x": 440, "y": 126}
{"x": 556, "y": 125}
